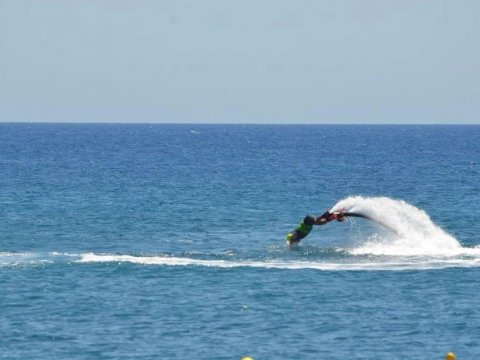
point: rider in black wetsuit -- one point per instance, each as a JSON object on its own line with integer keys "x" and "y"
{"x": 306, "y": 225}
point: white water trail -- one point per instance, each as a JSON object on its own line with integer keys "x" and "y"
{"x": 363, "y": 265}
{"x": 349, "y": 263}
{"x": 412, "y": 231}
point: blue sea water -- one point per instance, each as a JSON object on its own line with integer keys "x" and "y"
{"x": 168, "y": 242}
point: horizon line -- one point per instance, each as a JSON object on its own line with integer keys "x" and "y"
{"x": 235, "y": 123}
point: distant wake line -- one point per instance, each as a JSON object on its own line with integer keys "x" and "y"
{"x": 470, "y": 258}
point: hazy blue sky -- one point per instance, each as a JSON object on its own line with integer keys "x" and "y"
{"x": 270, "y": 61}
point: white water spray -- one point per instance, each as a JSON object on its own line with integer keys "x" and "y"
{"x": 412, "y": 231}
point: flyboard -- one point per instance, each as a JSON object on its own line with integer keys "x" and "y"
{"x": 376, "y": 221}
{"x": 354, "y": 214}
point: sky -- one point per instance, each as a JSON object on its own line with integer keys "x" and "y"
{"x": 268, "y": 61}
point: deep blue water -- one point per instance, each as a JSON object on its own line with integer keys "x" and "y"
{"x": 168, "y": 242}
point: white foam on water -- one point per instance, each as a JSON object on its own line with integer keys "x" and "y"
{"x": 370, "y": 264}
{"x": 412, "y": 231}
{"x": 345, "y": 263}
{"x": 12, "y": 259}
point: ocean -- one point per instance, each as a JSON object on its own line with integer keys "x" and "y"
{"x": 123, "y": 241}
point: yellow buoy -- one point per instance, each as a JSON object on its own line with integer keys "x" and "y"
{"x": 247, "y": 358}
{"x": 450, "y": 356}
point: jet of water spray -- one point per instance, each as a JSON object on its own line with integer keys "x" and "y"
{"x": 413, "y": 232}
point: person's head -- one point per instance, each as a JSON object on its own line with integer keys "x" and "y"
{"x": 309, "y": 220}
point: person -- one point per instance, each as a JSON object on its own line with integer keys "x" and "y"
{"x": 306, "y": 225}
